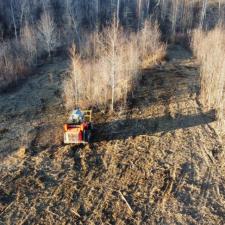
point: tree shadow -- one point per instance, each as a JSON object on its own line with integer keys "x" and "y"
{"x": 174, "y": 79}
{"x": 124, "y": 129}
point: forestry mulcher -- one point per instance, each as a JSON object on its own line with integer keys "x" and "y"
{"x": 79, "y": 127}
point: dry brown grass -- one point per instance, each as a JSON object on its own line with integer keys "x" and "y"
{"x": 209, "y": 48}
{"x": 149, "y": 46}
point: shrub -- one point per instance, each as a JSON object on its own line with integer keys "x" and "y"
{"x": 17, "y": 57}
{"x": 209, "y": 48}
{"x": 47, "y": 33}
{"x": 29, "y": 43}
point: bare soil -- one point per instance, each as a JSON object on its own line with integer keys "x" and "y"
{"x": 159, "y": 161}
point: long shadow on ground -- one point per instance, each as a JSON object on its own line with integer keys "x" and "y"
{"x": 123, "y": 129}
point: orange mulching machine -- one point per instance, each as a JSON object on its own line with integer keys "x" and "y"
{"x": 79, "y": 127}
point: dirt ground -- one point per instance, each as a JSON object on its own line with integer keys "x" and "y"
{"x": 159, "y": 161}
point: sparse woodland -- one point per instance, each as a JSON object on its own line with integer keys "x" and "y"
{"x": 108, "y": 41}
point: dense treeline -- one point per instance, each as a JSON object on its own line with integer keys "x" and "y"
{"x": 93, "y": 14}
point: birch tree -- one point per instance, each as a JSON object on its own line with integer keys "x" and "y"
{"x": 47, "y": 32}
{"x": 139, "y": 13}
{"x": 112, "y": 40}
{"x": 175, "y": 7}
{"x": 13, "y": 18}
{"x": 203, "y": 12}
{"x": 118, "y": 12}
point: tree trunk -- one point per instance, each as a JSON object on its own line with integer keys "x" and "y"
{"x": 13, "y": 18}
{"x": 204, "y": 7}
{"x": 118, "y": 13}
{"x": 139, "y": 13}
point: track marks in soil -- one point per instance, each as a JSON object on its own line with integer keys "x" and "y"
{"x": 158, "y": 162}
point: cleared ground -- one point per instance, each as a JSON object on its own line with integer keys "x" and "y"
{"x": 157, "y": 162}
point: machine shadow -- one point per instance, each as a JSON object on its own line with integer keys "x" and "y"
{"x": 124, "y": 129}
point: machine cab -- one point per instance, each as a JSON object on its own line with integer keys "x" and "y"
{"x": 78, "y": 129}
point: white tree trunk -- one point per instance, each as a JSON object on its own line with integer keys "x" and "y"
{"x": 113, "y": 75}
{"x": 118, "y": 13}
{"x": 139, "y": 13}
{"x": 13, "y": 18}
{"x": 175, "y": 5}
{"x": 203, "y": 12}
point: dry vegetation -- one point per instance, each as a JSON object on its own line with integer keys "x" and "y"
{"x": 112, "y": 66}
{"x": 18, "y": 56}
{"x": 12, "y": 62}
{"x": 209, "y": 48}
{"x": 31, "y": 29}
{"x": 156, "y": 162}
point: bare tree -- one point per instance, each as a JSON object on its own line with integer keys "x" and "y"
{"x": 24, "y": 10}
{"x": 118, "y": 12}
{"x": 13, "y": 18}
{"x": 47, "y": 32}
{"x": 139, "y": 13}
{"x": 112, "y": 40}
{"x": 149, "y": 42}
{"x": 203, "y": 12}
{"x": 29, "y": 42}
{"x": 175, "y": 7}
{"x": 72, "y": 23}
{"x": 73, "y": 85}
